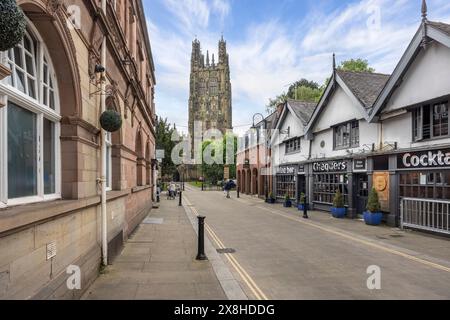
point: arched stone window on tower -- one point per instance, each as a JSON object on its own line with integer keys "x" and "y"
{"x": 201, "y": 89}
{"x": 30, "y": 158}
{"x": 213, "y": 86}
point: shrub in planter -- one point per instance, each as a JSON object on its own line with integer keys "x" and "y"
{"x": 287, "y": 201}
{"x": 12, "y": 24}
{"x": 373, "y": 215}
{"x": 338, "y": 210}
{"x": 111, "y": 121}
{"x": 301, "y": 204}
{"x": 271, "y": 198}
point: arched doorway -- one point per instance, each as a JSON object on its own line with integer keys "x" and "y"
{"x": 243, "y": 182}
{"x": 248, "y": 182}
{"x": 255, "y": 181}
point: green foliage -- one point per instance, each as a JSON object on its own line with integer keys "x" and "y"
{"x": 164, "y": 132}
{"x": 12, "y": 24}
{"x": 373, "y": 204}
{"x": 338, "y": 201}
{"x": 287, "y": 198}
{"x": 215, "y": 172}
{"x": 271, "y": 196}
{"x": 356, "y": 65}
{"x": 307, "y": 94}
{"x": 111, "y": 120}
{"x": 302, "y": 198}
{"x": 274, "y": 103}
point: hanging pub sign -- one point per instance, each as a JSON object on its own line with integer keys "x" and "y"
{"x": 330, "y": 166}
{"x": 287, "y": 170}
{"x": 360, "y": 165}
{"x": 424, "y": 159}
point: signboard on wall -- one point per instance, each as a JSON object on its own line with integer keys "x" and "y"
{"x": 360, "y": 165}
{"x": 287, "y": 170}
{"x": 381, "y": 185}
{"x": 330, "y": 166}
{"x": 424, "y": 159}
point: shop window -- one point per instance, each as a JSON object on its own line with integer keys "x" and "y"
{"x": 425, "y": 185}
{"x": 346, "y": 135}
{"x": 431, "y": 121}
{"x": 285, "y": 185}
{"x": 326, "y": 186}
{"x": 29, "y": 125}
{"x": 293, "y": 145}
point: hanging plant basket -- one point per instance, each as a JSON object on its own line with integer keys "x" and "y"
{"x": 12, "y": 24}
{"x": 111, "y": 121}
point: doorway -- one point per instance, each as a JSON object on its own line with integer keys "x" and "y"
{"x": 362, "y": 192}
{"x": 301, "y": 186}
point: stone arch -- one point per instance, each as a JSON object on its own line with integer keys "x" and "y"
{"x": 49, "y": 21}
{"x": 254, "y": 181}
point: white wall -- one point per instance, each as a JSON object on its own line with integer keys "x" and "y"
{"x": 427, "y": 78}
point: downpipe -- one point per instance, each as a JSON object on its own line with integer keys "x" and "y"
{"x": 103, "y": 156}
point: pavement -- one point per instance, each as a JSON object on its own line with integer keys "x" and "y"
{"x": 279, "y": 255}
{"x": 158, "y": 262}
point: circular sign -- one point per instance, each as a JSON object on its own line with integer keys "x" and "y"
{"x": 380, "y": 183}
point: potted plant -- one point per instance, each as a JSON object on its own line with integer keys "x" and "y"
{"x": 373, "y": 215}
{"x": 338, "y": 210}
{"x": 12, "y": 24}
{"x": 301, "y": 204}
{"x": 287, "y": 201}
{"x": 271, "y": 198}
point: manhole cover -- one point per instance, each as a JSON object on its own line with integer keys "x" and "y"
{"x": 226, "y": 250}
{"x": 153, "y": 221}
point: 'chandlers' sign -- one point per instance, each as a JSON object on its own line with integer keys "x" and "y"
{"x": 330, "y": 166}
{"x": 424, "y": 159}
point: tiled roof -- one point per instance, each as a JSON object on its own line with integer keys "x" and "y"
{"x": 441, "y": 26}
{"x": 364, "y": 85}
{"x": 303, "y": 110}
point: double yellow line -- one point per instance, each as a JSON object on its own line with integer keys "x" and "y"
{"x": 361, "y": 241}
{"x": 248, "y": 280}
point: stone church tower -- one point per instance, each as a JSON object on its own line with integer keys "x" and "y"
{"x": 210, "y": 89}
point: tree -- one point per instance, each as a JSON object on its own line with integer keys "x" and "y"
{"x": 274, "y": 103}
{"x": 356, "y": 65}
{"x": 215, "y": 172}
{"x": 164, "y": 132}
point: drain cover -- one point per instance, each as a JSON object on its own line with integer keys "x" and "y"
{"x": 226, "y": 250}
{"x": 153, "y": 221}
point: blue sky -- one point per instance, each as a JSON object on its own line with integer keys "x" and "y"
{"x": 273, "y": 43}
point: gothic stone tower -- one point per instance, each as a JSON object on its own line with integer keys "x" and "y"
{"x": 210, "y": 89}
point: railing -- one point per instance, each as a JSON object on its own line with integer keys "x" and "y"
{"x": 425, "y": 214}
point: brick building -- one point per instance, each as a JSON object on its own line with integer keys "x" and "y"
{"x": 50, "y": 142}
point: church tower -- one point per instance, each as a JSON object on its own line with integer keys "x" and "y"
{"x": 210, "y": 89}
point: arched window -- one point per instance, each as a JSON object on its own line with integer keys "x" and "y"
{"x": 201, "y": 88}
{"x": 29, "y": 125}
{"x": 213, "y": 86}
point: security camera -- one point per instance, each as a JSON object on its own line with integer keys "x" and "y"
{"x": 99, "y": 69}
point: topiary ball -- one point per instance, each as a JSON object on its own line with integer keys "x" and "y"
{"x": 111, "y": 120}
{"x": 12, "y": 24}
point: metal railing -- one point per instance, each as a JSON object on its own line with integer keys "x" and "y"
{"x": 425, "y": 214}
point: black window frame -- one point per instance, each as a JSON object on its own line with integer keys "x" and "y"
{"x": 352, "y": 128}
{"x": 423, "y": 117}
{"x": 293, "y": 145}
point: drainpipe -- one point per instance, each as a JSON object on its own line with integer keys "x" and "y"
{"x": 103, "y": 155}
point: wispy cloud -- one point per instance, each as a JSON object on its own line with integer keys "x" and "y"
{"x": 268, "y": 54}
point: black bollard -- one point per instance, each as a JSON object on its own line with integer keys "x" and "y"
{"x": 181, "y": 195}
{"x": 203, "y": 188}
{"x": 201, "y": 239}
{"x": 305, "y": 209}
{"x": 237, "y": 189}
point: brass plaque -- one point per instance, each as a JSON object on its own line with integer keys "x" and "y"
{"x": 381, "y": 185}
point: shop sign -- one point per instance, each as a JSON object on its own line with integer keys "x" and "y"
{"x": 301, "y": 168}
{"x": 424, "y": 159}
{"x": 286, "y": 170}
{"x": 359, "y": 165}
{"x": 330, "y": 166}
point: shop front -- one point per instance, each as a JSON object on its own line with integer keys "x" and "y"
{"x": 286, "y": 177}
{"x": 424, "y": 189}
{"x": 327, "y": 178}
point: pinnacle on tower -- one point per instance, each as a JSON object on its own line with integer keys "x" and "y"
{"x": 207, "y": 58}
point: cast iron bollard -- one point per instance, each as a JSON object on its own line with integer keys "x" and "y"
{"x": 181, "y": 195}
{"x": 203, "y": 188}
{"x": 305, "y": 209}
{"x": 201, "y": 239}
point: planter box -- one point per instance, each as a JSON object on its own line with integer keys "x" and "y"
{"x": 338, "y": 212}
{"x": 373, "y": 218}
{"x": 287, "y": 204}
{"x": 271, "y": 201}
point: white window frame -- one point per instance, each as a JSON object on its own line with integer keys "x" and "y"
{"x": 41, "y": 111}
